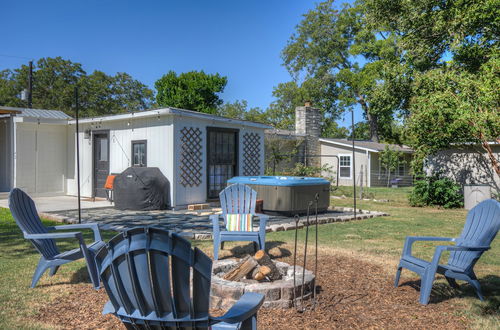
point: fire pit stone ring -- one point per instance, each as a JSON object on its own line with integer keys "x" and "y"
{"x": 278, "y": 294}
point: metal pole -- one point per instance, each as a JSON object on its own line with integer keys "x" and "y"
{"x": 30, "y": 86}
{"x": 353, "y": 163}
{"x": 78, "y": 156}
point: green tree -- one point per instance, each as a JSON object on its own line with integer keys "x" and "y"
{"x": 454, "y": 107}
{"x": 361, "y": 131}
{"x": 453, "y": 48}
{"x": 390, "y": 160}
{"x": 54, "y": 80}
{"x": 193, "y": 90}
{"x": 363, "y": 65}
{"x": 239, "y": 110}
{"x": 289, "y": 95}
{"x": 431, "y": 30}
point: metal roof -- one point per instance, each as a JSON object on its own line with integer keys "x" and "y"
{"x": 367, "y": 145}
{"x": 38, "y": 113}
{"x": 175, "y": 112}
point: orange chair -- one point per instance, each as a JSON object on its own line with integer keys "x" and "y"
{"x": 109, "y": 186}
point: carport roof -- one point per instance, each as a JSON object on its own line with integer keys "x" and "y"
{"x": 35, "y": 113}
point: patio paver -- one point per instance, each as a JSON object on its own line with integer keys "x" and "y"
{"x": 191, "y": 224}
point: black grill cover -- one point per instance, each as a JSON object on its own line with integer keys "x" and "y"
{"x": 141, "y": 188}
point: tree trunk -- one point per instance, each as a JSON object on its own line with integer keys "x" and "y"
{"x": 373, "y": 119}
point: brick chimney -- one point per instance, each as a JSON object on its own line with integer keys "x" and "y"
{"x": 307, "y": 122}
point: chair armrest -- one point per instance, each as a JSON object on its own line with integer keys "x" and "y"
{"x": 412, "y": 239}
{"x": 53, "y": 235}
{"x": 244, "y": 308}
{"x": 93, "y": 226}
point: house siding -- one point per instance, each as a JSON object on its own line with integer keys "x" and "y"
{"x": 5, "y": 154}
{"x": 40, "y": 158}
{"x": 465, "y": 166}
{"x": 196, "y": 194}
{"x": 158, "y": 132}
{"x": 361, "y": 163}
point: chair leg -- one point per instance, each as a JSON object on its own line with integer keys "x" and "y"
{"x": 250, "y": 323}
{"x": 426, "y": 287}
{"x": 262, "y": 242}
{"x": 91, "y": 267}
{"x": 398, "y": 275}
{"x": 477, "y": 286}
{"x": 216, "y": 247}
{"x": 452, "y": 282}
{"x": 53, "y": 270}
{"x": 40, "y": 269}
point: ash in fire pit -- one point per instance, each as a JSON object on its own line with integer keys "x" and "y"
{"x": 278, "y": 293}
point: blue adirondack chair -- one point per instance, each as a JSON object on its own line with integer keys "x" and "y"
{"x": 481, "y": 227}
{"x": 154, "y": 279}
{"x": 238, "y": 199}
{"x": 24, "y": 212}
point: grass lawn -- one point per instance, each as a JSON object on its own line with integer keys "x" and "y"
{"x": 378, "y": 240}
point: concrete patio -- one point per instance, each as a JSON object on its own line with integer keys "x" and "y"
{"x": 59, "y": 203}
{"x": 191, "y": 224}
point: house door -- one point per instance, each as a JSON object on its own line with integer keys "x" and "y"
{"x": 101, "y": 162}
{"x": 222, "y": 153}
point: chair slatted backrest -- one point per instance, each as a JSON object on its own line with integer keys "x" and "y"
{"x": 481, "y": 227}
{"x": 147, "y": 273}
{"x": 26, "y": 216}
{"x": 238, "y": 199}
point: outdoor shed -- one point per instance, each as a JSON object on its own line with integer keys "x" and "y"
{"x": 196, "y": 152}
{"x": 33, "y": 150}
{"x": 369, "y": 171}
{"x": 467, "y": 164}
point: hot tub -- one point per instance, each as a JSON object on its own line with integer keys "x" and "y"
{"x": 287, "y": 195}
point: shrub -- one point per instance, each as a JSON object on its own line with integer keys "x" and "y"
{"x": 436, "y": 191}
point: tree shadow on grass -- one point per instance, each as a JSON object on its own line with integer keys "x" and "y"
{"x": 490, "y": 286}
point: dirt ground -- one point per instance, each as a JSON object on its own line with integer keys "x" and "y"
{"x": 353, "y": 294}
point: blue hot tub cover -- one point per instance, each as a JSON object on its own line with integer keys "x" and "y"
{"x": 284, "y": 181}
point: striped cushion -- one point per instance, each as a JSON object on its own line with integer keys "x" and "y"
{"x": 239, "y": 222}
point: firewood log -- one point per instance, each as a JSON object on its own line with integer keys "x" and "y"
{"x": 264, "y": 260}
{"x": 260, "y": 273}
{"x": 245, "y": 266}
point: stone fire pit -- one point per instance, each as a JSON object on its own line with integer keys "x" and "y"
{"x": 278, "y": 294}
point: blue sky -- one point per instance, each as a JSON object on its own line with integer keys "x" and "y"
{"x": 241, "y": 40}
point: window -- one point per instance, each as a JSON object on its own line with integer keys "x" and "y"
{"x": 103, "y": 151}
{"x": 401, "y": 169}
{"x": 345, "y": 166}
{"x": 139, "y": 153}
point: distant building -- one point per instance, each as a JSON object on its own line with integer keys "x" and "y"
{"x": 369, "y": 171}
{"x": 466, "y": 164}
{"x": 313, "y": 150}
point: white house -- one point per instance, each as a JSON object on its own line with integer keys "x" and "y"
{"x": 369, "y": 172}
{"x": 196, "y": 152}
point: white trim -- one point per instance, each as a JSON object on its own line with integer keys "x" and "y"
{"x": 171, "y": 111}
{"x": 404, "y": 168}
{"x": 350, "y": 166}
{"x": 369, "y": 169}
{"x": 13, "y": 132}
{"x": 347, "y": 145}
